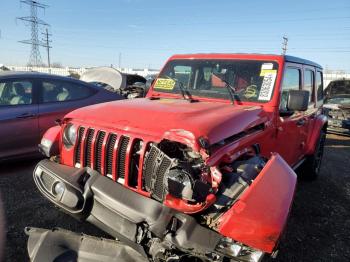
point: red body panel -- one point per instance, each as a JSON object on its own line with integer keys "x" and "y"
{"x": 53, "y": 134}
{"x": 320, "y": 121}
{"x": 258, "y": 218}
{"x": 174, "y": 118}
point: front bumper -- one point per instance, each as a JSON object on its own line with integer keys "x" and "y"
{"x": 61, "y": 245}
{"x": 122, "y": 213}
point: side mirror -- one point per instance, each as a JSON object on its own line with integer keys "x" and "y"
{"x": 298, "y": 100}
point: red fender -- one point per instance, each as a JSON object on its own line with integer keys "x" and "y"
{"x": 50, "y": 142}
{"x": 258, "y": 218}
{"x": 319, "y": 123}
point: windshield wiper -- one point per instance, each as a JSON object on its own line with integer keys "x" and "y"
{"x": 231, "y": 89}
{"x": 182, "y": 89}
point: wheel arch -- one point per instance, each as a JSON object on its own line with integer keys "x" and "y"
{"x": 320, "y": 124}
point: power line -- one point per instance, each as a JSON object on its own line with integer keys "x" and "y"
{"x": 34, "y": 22}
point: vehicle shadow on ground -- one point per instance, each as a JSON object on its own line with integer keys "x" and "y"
{"x": 319, "y": 225}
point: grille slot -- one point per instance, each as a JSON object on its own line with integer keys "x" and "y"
{"x": 149, "y": 166}
{"x": 47, "y": 181}
{"x": 78, "y": 148}
{"x": 98, "y": 150}
{"x": 88, "y": 149}
{"x": 109, "y": 154}
{"x": 156, "y": 165}
{"x": 122, "y": 156}
{"x": 134, "y": 162}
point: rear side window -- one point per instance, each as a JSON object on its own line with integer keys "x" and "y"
{"x": 319, "y": 85}
{"x": 309, "y": 84}
{"x": 291, "y": 81}
{"x": 16, "y": 92}
{"x": 61, "y": 91}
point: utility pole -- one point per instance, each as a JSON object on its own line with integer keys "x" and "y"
{"x": 120, "y": 60}
{"x": 284, "y": 45}
{"x": 34, "y": 22}
{"x": 47, "y": 45}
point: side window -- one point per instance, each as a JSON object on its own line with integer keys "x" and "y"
{"x": 309, "y": 84}
{"x": 291, "y": 81}
{"x": 16, "y": 92}
{"x": 59, "y": 91}
{"x": 319, "y": 85}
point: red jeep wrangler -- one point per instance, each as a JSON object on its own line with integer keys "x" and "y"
{"x": 199, "y": 170}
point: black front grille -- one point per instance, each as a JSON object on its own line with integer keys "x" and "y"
{"x": 98, "y": 150}
{"x": 78, "y": 148}
{"x": 156, "y": 165}
{"x": 122, "y": 156}
{"x": 109, "y": 153}
{"x": 88, "y": 146}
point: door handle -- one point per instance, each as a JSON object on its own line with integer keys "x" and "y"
{"x": 25, "y": 115}
{"x": 301, "y": 122}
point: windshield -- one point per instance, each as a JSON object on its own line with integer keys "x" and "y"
{"x": 249, "y": 80}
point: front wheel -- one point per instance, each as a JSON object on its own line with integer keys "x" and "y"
{"x": 311, "y": 167}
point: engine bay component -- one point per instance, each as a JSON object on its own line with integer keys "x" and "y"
{"x": 178, "y": 175}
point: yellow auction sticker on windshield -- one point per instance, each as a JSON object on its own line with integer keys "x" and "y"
{"x": 264, "y": 72}
{"x": 163, "y": 83}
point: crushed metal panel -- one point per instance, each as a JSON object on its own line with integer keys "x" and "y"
{"x": 62, "y": 245}
{"x": 105, "y": 75}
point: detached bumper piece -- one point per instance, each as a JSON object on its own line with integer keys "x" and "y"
{"x": 124, "y": 214}
{"x": 60, "y": 245}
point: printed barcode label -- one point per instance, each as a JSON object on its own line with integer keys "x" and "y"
{"x": 267, "y": 86}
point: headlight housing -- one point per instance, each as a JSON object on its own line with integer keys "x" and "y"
{"x": 69, "y": 135}
{"x": 235, "y": 250}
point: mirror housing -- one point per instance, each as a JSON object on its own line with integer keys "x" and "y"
{"x": 298, "y": 100}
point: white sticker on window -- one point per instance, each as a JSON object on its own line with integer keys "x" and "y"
{"x": 266, "y": 66}
{"x": 267, "y": 85}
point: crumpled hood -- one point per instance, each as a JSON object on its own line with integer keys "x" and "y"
{"x": 212, "y": 120}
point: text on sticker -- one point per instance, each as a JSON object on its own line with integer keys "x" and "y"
{"x": 162, "y": 83}
{"x": 267, "y": 86}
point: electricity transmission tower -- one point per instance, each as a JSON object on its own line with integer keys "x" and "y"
{"x": 34, "y": 22}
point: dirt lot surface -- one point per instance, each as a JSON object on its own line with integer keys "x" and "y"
{"x": 318, "y": 229}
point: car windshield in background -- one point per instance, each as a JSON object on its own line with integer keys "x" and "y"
{"x": 336, "y": 88}
{"x": 338, "y": 92}
{"x": 341, "y": 100}
{"x": 249, "y": 80}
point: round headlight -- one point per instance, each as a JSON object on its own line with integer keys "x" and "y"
{"x": 69, "y": 135}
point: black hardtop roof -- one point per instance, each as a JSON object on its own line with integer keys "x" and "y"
{"x": 294, "y": 59}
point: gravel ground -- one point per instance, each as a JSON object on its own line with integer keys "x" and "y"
{"x": 318, "y": 229}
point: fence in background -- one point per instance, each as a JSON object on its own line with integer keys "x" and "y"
{"x": 66, "y": 71}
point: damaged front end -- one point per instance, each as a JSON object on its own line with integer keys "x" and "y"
{"x": 164, "y": 200}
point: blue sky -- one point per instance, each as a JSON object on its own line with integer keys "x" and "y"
{"x": 146, "y": 33}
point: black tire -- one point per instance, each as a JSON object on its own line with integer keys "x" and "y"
{"x": 310, "y": 169}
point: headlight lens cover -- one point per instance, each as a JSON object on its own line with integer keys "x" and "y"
{"x": 69, "y": 135}
{"x": 236, "y": 250}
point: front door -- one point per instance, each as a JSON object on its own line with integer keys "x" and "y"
{"x": 291, "y": 125}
